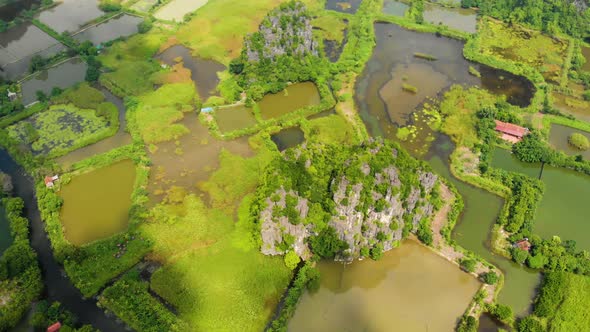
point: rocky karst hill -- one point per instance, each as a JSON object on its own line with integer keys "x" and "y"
{"x": 343, "y": 202}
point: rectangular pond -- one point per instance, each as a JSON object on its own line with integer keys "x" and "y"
{"x": 176, "y": 9}
{"x": 394, "y": 7}
{"x": 455, "y": 18}
{"x": 234, "y": 118}
{"x": 288, "y": 138}
{"x": 409, "y": 289}
{"x": 558, "y": 137}
{"x": 294, "y": 97}
{"x": 120, "y": 26}
{"x": 564, "y": 209}
{"x": 62, "y": 76}
{"x": 70, "y": 15}
{"x": 96, "y": 204}
{"x": 19, "y": 44}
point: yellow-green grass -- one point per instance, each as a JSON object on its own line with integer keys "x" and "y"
{"x": 140, "y": 47}
{"x": 332, "y": 27}
{"x": 224, "y": 287}
{"x": 64, "y": 127}
{"x": 526, "y": 46}
{"x": 459, "y": 108}
{"x": 81, "y": 95}
{"x": 332, "y": 129}
{"x": 158, "y": 111}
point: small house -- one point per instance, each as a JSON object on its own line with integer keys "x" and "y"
{"x": 12, "y": 96}
{"x": 511, "y": 132}
{"x": 523, "y": 244}
{"x": 54, "y": 328}
{"x": 49, "y": 181}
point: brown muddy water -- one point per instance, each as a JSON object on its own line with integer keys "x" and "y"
{"x": 234, "y": 118}
{"x": 384, "y": 104}
{"x": 203, "y": 72}
{"x": 288, "y": 138}
{"x": 455, "y": 18}
{"x": 62, "y": 76}
{"x": 558, "y": 137}
{"x": 119, "y": 139}
{"x": 190, "y": 160}
{"x": 409, "y": 289}
{"x": 96, "y": 204}
{"x": 294, "y": 97}
{"x": 19, "y": 44}
{"x": 344, "y": 6}
{"x": 121, "y": 26}
{"x": 11, "y": 10}
{"x": 70, "y": 15}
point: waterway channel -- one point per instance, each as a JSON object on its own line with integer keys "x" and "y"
{"x": 57, "y": 286}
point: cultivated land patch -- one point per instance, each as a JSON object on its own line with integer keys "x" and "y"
{"x": 518, "y": 44}
{"x": 176, "y": 9}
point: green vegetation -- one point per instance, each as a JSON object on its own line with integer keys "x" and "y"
{"x": 63, "y": 128}
{"x": 561, "y": 304}
{"x": 130, "y": 300}
{"x": 409, "y": 88}
{"x": 425, "y": 56}
{"x": 46, "y": 314}
{"x": 579, "y": 141}
{"x": 20, "y": 276}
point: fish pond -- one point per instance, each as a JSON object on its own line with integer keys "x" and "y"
{"x": 558, "y": 137}
{"x": 288, "y": 138}
{"x": 399, "y": 78}
{"x": 96, "y": 204}
{"x": 393, "y": 7}
{"x": 61, "y": 76}
{"x": 294, "y": 97}
{"x": 344, "y": 6}
{"x": 234, "y": 118}
{"x": 473, "y": 232}
{"x": 461, "y": 19}
{"x": 12, "y": 9}
{"x": 410, "y": 288}
{"x": 121, "y": 26}
{"x": 5, "y": 238}
{"x": 564, "y": 208}
{"x": 203, "y": 72}
{"x": 70, "y": 15}
{"x": 175, "y": 10}
{"x": 19, "y": 44}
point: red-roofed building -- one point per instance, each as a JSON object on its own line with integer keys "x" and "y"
{"x": 49, "y": 180}
{"x": 54, "y": 328}
{"x": 523, "y": 244}
{"x": 511, "y": 132}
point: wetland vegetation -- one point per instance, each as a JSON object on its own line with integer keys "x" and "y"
{"x": 224, "y": 159}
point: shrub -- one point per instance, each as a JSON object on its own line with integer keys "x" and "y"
{"x": 489, "y": 278}
{"x": 468, "y": 264}
{"x": 291, "y": 260}
{"x": 578, "y": 141}
{"x": 327, "y": 244}
{"x": 502, "y": 312}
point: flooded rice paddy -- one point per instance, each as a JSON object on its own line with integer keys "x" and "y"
{"x": 473, "y": 228}
{"x": 19, "y": 44}
{"x": 70, "y": 15}
{"x": 62, "y": 76}
{"x": 409, "y": 289}
{"x": 564, "y": 209}
{"x": 96, "y": 204}
{"x": 5, "y": 238}
{"x": 455, "y": 18}
{"x": 190, "y": 160}
{"x": 234, "y": 118}
{"x": 176, "y": 9}
{"x": 294, "y": 97}
{"x": 288, "y": 138}
{"x": 203, "y": 72}
{"x": 394, "y": 7}
{"x": 558, "y": 138}
{"x": 121, "y": 26}
{"x": 344, "y": 6}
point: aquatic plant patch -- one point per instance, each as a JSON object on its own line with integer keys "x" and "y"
{"x": 65, "y": 127}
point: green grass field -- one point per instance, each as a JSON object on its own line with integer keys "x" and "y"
{"x": 330, "y": 129}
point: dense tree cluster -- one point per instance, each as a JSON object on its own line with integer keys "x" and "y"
{"x": 567, "y": 16}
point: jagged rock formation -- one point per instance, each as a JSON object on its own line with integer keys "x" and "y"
{"x": 372, "y": 195}
{"x": 286, "y": 30}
